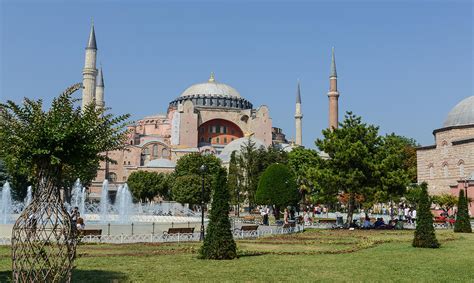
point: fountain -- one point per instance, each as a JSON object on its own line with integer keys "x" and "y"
{"x": 29, "y": 196}
{"x": 104, "y": 202}
{"x": 6, "y": 205}
{"x": 82, "y": 203}
{"x": 76, "y": 193}
{"x": 124, "y": 203}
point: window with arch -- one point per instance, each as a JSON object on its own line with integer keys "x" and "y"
{"x": 445, "y": 170}
{"x": 146, "y": 151}
{"x": 444, "y": 147}
{"x": 461, "y": 168}
{"x": 165, "y": 152}
{"x": 155, "y": 150}
{"x": 432, "y": 173}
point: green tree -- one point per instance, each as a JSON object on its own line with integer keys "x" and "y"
{"x": 187, "y": 189}
{"x": 60, "y": 142}
{"x": 463, "y": 223}
{"x": 249, "y": 164}
{"x": 277, "y": 187}
{"x": 234, "y": 179}
{"x": 191, "y": 164}
{"x": 219, "y": 242}
{"x": 148, "y": 185}
{"x": 3, "y": 173}
{"x": 302, "y": 161}
{"x": 393, "y": 171}
{"x": 351, "y": 166}
{"x": 425, "y": 236}
{"x": 187, "y": 185}
{"x": 445, "y": 201}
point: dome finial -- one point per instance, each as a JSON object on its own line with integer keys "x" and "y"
{"x": 211, "y": 78}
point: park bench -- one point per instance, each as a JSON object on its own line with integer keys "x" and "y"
{"x": 188, "y": 232}
{"x": 90, "y": 232}
{"x": 248, "y": 219}
{"x": 248, "y": 228}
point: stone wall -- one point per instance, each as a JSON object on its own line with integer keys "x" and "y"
{"x": 444, "y": 164}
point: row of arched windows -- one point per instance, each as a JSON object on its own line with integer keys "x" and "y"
{"x": 445, "y": 169}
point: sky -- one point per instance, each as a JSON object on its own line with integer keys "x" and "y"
{"x": 402, "y": 65}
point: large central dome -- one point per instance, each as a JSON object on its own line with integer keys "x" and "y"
{"x": 462, "y": 114}
{"x": 211, "y": 88}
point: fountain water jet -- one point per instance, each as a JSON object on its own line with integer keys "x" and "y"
{"x": 76, "y": 193}
{"x": 82, "y": 203}
{"x": 29, "y": 196}
{"x": 124, "y": 203}
{"x": 6, "y": 205}
{"x": 104, "y": 202}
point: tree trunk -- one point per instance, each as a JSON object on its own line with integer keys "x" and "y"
{"x": 350, "y": 208}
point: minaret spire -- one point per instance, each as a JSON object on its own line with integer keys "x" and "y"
{"x": 333, "y": 95}
{"x": 333, "y": 65}
{"x": 99, "y": 90}
{"x": 298, "y": 117}
{"x": 89, "y": 73}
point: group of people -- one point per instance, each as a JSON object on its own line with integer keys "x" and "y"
{"x": 380, "y": 224}
{"x": 407, "y": 214}
{"x": 77, "y": 220}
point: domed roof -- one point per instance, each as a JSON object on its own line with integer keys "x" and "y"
{"x": 211, "y": 88}
{"x": 461, "y": 114}
{"x": 236, "y": 145}
{"x": 161, "y": 163}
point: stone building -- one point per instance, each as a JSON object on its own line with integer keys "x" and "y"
{"x": 448, "y": 164}
{"x": 209, "y": 117}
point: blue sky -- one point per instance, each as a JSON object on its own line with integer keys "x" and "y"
{"x": 402, "y": 64}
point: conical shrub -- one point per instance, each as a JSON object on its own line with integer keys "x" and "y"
{"x": 219, "y": 241}
{"x": 425, "y": 236}
{"x": 463, "y": 223}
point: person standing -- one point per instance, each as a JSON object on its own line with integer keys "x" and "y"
{"x": 285, "y": 216}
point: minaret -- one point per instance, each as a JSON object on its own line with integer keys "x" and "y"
{"x": 298, "y": 117}
{"x": 99, "y": 90}
{"x": 89, "y": 72}
{"x": 333, "y": 95}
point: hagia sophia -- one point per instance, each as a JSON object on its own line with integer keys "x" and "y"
{"x": 209, "y": 117}
{"x": 213, "y": 117}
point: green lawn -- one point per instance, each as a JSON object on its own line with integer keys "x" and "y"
{"x": 326, "y": 255}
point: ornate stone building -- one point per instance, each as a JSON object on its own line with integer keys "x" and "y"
{"x": 209, "y": 117}
{"x": 449, "y": 164}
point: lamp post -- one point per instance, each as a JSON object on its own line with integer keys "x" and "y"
{"x": 203, "y": 170}
{"x": 238, "y": 197}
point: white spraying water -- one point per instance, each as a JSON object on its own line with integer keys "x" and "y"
{"x": 76, "y": 193}
{"x": 29, "y": 196}
{"x": 104, "y": 202}
{"x": 6, "y": 205}
{"x": 124, "y": 203}
{"x": 82, "y": 203}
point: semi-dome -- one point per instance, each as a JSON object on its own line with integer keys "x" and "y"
{"x": 461, "y": 114}
{"x": 236, "y": 145}
{"x": 211, "y": 88}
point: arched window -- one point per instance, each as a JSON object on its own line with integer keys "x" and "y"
{"x": 432, "y": 173}
{"x": 445, "y": 170}
{"x": 461, "y": 168}
{"x": 165, "y": 152}
{"x": 155, "y": 150}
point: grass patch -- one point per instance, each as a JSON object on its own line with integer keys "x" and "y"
{"x": 316, "y": 255}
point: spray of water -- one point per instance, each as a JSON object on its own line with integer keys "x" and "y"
{"x": 104, "y": 202}
{"x": 29, "y": 196}
{"x": 6, "y": 205}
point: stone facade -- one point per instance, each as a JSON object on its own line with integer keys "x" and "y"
{"x": 448, "y": 165}
{"x": 194, "y": 122}
{"x": 449, "y": 160}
